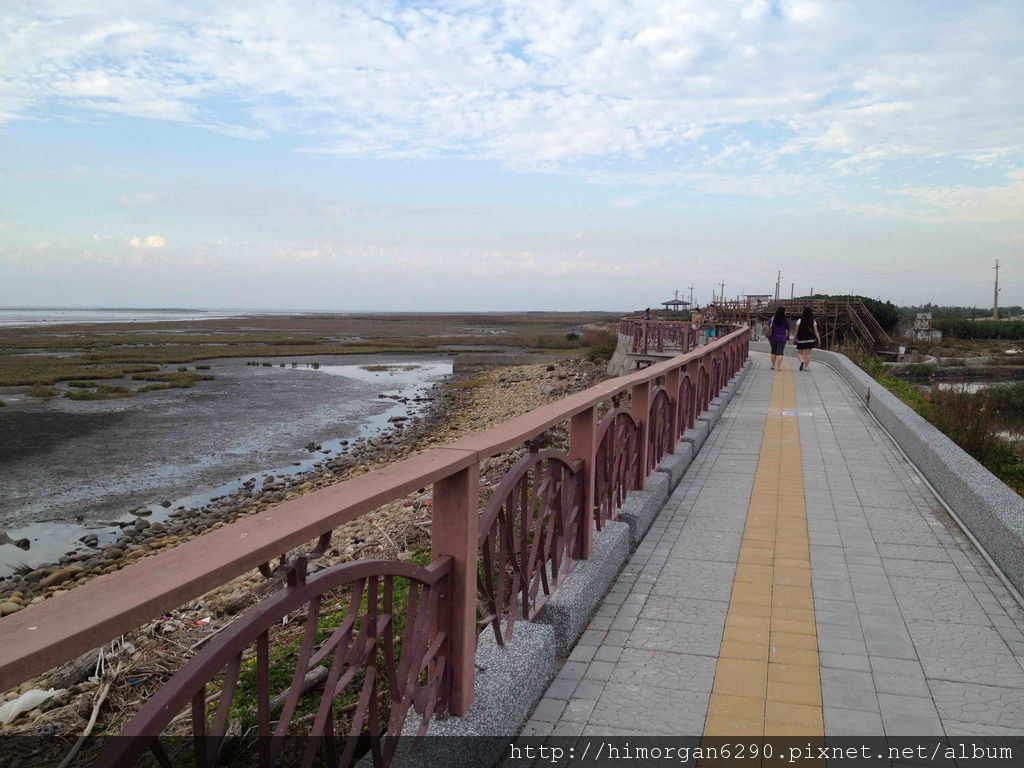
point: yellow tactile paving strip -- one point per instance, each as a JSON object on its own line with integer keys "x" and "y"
{"x": 766, "y": 680}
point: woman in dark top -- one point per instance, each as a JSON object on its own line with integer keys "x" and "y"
{"x": 778, "y": 333}
{"x": 807, "y": 337}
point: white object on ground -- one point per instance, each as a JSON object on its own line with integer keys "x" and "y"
{"x": 26, "y": 703}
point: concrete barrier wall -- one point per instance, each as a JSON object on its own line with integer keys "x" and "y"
{"x": 988, "y": 508}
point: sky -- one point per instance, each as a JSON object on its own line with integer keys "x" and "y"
{"x": 521, "y": 155}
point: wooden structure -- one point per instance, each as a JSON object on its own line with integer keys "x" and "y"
{"x": 837, "y": 319}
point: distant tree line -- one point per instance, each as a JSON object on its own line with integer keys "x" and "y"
{"x": 959, "y": 322}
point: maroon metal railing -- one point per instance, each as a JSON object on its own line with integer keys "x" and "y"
{"x": 658, "y": 336}
{"x": 539, "y": 522}
{"x": 616, "y": 463}
{"x": 529, "y": 537}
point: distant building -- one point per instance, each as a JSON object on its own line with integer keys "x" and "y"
{"x": 922, "y": 330}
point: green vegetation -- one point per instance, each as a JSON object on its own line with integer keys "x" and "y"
{"x": 971, "y": 420}
{"x": 45, "y": 356}
{"x": 1008, "y": 397}
{"x": 202, "y": 367}
{"x": 286, "y": 643}
{"x": 918, "y": 370}
{"x": 904, "y": 390}
{"x": 102, "y": 392}
{"x": 170, "y": 380}
{"x": 600, "y": 345}
{"x": 980, "y": 329}
{"x": 41, "y": 390}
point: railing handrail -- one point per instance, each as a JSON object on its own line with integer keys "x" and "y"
{"x": 47, "y": 634}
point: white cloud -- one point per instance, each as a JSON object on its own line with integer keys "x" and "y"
{"x": 1003, "y": 202}
{"x": 137, "y": 199}
{"x": 153, "y": 241}
{"x": 534, "y": 84}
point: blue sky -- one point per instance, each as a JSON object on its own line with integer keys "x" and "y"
{"x": 532, "y": 154}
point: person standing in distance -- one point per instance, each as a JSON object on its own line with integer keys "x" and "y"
{"x": 807, "y": 337}
{"x": 778, "y": 333}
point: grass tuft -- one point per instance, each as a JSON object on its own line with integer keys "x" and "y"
{"x": 102, "y": 392}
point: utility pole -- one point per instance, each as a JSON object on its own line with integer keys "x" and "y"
{"x": 995, "y": 294}
{"x": 691, "y": 294}
{"x": 778, "y": 283}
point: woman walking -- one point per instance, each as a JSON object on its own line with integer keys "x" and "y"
{"x": 807, "y": 337}
{"x": 778, "y": 333}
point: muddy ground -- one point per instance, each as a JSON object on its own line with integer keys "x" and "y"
{"x": 64, "y": 462}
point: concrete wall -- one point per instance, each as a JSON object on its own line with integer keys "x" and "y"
{"x": 620, "y": 364}
{"x": 988, "y": 508}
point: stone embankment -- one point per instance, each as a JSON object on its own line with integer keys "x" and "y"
{"x": 456, "y": 409}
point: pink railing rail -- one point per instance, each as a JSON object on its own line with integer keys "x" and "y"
{"x": 658, "y": 336}
{"x": 538, "y": 523}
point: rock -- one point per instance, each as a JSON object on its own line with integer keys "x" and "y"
{"x": 165, "y": 503}
{"x": 141, "y": 525}
{"x": 143, "y": 512}
{"x": 9, "y": 608}
{"x": 56, "y": 578}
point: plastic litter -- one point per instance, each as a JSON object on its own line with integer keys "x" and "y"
{"x": 26, "y": 703}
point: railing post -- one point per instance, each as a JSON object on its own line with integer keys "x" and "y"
{"x": 640, "y": 409}
{"x": 583, "y": 446}
{"x": 645, "y": 325}
{"x": 672, "y": 379}
{"x": 454, "y": 533}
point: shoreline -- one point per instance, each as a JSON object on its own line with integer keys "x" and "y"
{"x": 440, "y": 422}
{"x": 150, "y": 531}
{"x": 462, "y": 405}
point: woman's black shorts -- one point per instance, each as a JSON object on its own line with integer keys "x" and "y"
{"x": 778, "y": 347}
{"x": 807, "y": 344}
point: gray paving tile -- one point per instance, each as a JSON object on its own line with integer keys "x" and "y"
{"x": 985, "y": 704}
{"x": 646, "y": 710}
{"x": 962, "y": 653}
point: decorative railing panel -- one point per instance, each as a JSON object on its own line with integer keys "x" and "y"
{"x": 372, "y": 647}
{"x": 687, "y": 400}
{"x": 530, "y": 536}
{"x": 616, "y": 464}
{"x": 660, "y": 433}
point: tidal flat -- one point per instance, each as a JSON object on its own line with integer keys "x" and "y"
{"x": 244, "y": 397}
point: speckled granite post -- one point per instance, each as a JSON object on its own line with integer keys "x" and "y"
{"x": 574, "y": 602}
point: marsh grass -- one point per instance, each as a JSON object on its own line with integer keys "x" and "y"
{"x": 177, "y": 380}
{"x": 41, "y": 390}
{"x": 83, "y": 353}
{"x": 101, "y": 392}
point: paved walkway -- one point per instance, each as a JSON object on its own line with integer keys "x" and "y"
{"x": 801, "y": 579}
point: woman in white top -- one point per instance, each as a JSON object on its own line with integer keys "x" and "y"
{"x": 807, "y": 337}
